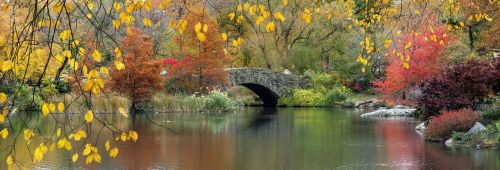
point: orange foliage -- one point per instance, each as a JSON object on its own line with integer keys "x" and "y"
{"x": 413, "y": 60}
{"x": 201, "y": 68}
{"x": 141, "y": 76}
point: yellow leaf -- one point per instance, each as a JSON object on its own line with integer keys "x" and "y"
{"x": 205, "y": 28}
{"x": 116, "y": 23}
{"x": 285, "y": 2}
{"x": 9, "y": 160}
{"x": 97, "y": 157}
{"x": 2, "y": 118}
{"x": 123, "y": 112}
{"x": 96, "y": 55}
{"x": 28, "y": 133}
{"x": 117, "y": 6}
{"x": 119, "y": 65}
{"x": 38, "y": 154}
{"x": 113, "y": 152}
{"x": 231, "y": 16}
{"x": 408, "y": 45}
{"x": 67, "y": 53}
{"x": 88, "y": 15}
{"x": 197, "y": 27}
{"x": 75, "y": 157}
{"x": 65, "y": 34}
{"x": 224, "y": 36}
{"x": 58, "y": 132}
{"x": 90, "y": 6}
{"x": 123, "y": 137}
{"x": 52, "y": 107}
{"x": 3, "y": 97}
{"x": 4, "y": 133}
{"x": 106, "y": 145}
{"x": 45, "y": 109}
{"x": 147, "y": 22}
{"x": 133, "y": 135}
{"x": 60, "y": 107}
{"x": 89, "y": 116}
{"x": 118, "y": 52}
{"x": 7, "y": 65}
{"x": 270, "y": 27}
{"x": 201, "y": 36}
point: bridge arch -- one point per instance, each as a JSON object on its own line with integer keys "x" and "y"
{"x": 267, "y": 84}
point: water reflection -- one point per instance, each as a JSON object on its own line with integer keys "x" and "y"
{"x": 283, "y": 138}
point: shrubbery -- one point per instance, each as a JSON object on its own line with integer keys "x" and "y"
{"x": 442, "y": 127}
{"x": 461, "y": 86}
{"x": 486, "y": 138}
{"x": 214, "y": 101}
{"x": 325, "y": 90}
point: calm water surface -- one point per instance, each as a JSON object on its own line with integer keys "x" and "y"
{"x": 275, "y": 139}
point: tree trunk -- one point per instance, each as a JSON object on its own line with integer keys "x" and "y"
{"x": 471, "y": 38}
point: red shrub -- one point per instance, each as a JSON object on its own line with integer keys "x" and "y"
{"x": 461, "y": 86}
{"x": 441, "y": 127}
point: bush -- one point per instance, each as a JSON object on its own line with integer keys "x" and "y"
{"x": 214, "y": 101}
{"x": 307, "y": 98}
{"x": 442, "y": 127}
{"x": 492, "y": 115}
{"x": 337, "y": 94}
{"x": 484, "y": 139}
{"x": 218, "y": 101}
{"x": 461, "y": 86}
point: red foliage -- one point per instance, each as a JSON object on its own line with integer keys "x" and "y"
{"x": 461, "y": 86}
{"x": 141, "y": 76}
{"x": 423, "y": 59}
{"x": 201, "y": 68}
{"x": 169, "y": 61}
{"x": 441, "y": 127}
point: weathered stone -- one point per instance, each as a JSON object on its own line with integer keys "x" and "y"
{"x": 478, "y": 127}
{"x": 399, "y": 111}
{"x": 267, "y": 84}
{"x": 449, "y": 142}
{"x": 421, "y": 128}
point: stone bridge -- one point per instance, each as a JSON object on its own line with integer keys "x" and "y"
{"x": 267, "y": 84}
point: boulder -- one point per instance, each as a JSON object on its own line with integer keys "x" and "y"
{"x": 420, "y": 128}
{"x": 398, "y": 111}
{"x": 449, "y": 142}
{"x": 478, "y": 127}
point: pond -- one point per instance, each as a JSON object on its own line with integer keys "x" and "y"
{"x": 272, "y": 139}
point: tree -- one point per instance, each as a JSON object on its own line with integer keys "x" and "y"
{"x": 201, "y": 49}
{"x": 141, "y": 76}
{"x": 413, "y": 60}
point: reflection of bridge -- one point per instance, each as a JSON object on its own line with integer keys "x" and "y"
{"x": 267, "y": 84}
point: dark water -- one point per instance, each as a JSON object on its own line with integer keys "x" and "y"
{"x": 275, "y": 139}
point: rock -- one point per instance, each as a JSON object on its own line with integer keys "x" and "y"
{"x": 449, "y": 142}
{"x": 420, "y": 128}
{"x": 398, "y": 111}
{"x": 478, "y": 127}
{"x": 401, "y": 107}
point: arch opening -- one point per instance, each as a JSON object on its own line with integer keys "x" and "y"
{"x": 266, "y": 95}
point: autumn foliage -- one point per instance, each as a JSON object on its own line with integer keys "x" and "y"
{"x": 201, "y": 67}
{"x": 141, "y": 76}
{"x": 414, "y": 59}
{"x": 460, "y": 86}
{"x": 441, "y": 127}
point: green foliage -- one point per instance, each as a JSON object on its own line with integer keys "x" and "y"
{"x": 215, "y": 101}
{"x": 325, "y": 90}
{"x": 487, "y": 138}
{"x": 337, "y": 94}
{"x": 27, "y": 100}
{"x": 492, "y": 114}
